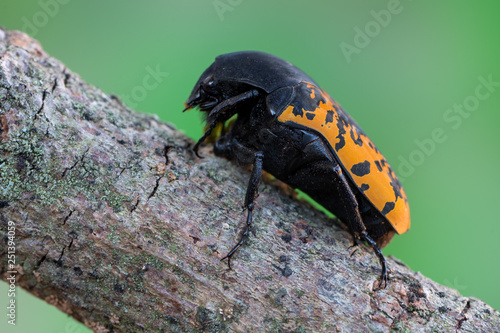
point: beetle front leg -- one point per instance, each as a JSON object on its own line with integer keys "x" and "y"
{"x": 222, "y": 112}
{"x": 252, "y": 190}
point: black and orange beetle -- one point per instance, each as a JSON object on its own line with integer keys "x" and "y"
{"x": 288, "y": 126}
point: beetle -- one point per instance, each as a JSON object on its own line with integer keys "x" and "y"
{"x": 288, "y": 126}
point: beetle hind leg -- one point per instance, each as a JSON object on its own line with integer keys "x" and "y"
{"x": 357, "y": 227}
{"x": 381, "y": 258}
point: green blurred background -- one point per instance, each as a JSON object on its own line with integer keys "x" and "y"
{"x": 403, "y": 70}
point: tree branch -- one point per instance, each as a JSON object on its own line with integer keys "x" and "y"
{"x": 118, "y": 224}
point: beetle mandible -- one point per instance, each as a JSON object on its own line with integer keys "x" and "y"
{"x": 288, "y": 126}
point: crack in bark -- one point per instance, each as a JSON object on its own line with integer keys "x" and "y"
{"x": 165, "y": 154}
{"x": 127, "y": 166}
{"x": 59, "y": 261}
{"x": 73, "y": 236}
{"x": 75, "y": 164}
{"x": 463, "y": 313}
{"x": 54, "y": 86}
{"x": 123, "y": 169}
{"x": 155, "y": 188}
{"x": 41, "y": 261}
{"x": 67, "y": 217}
{"x": 134, "y": 207}
{"x": 44, "y": 95}
{"x": 66, "y": 76}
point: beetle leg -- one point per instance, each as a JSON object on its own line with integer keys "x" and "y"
{"x": 357, "y": 225}
{"x": 355, "y": 243}
{"x": 381, "y": 258}
{"x": 230, "y": 147}
{"x": 224, "y": 147}
{"x": 252, "y": 189}
{"x": 222, "y": 112}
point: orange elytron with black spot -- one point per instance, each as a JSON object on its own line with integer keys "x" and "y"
{"x": 288, "y": 126}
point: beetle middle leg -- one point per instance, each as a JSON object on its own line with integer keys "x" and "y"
{"x": 251, "y": 194}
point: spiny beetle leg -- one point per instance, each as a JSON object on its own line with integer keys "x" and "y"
{"x": 356, "y": 223}
{"x": 222, "y": 112}
{"x": 380, "y": 255}
{"x": 202, "y": 139}
{"x": 252, "y": 190}
{"x": 229, "y": 255}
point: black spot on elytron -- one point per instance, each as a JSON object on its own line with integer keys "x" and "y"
{"x": 341, "y": 126}
{"x": 379, "y": 166}
{"x": 364, "y": 187}
{"x": 310, "y": 115}
{"x": 318, "y": 97}
{"x": 396, "y": 186}
{"x": 357, "y": 140}
{"x": 302, "y": 100}
{"x": 297, "y": 111}
{"x": 388, "y": 207}
{"x": 329, "y": 117}
{"x": 361, "y": 169}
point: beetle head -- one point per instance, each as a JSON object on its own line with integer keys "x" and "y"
{"x": 212, "y": 89}
{"x": 204, "y": 94}
{"x": 234, "y": 73}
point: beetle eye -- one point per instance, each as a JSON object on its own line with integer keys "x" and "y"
{"x": 208, "y": 82}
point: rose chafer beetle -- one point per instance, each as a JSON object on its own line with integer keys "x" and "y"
{"x": 288, "y": 126}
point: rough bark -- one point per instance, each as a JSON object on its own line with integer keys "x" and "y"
{"x": 118, "y": 224}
